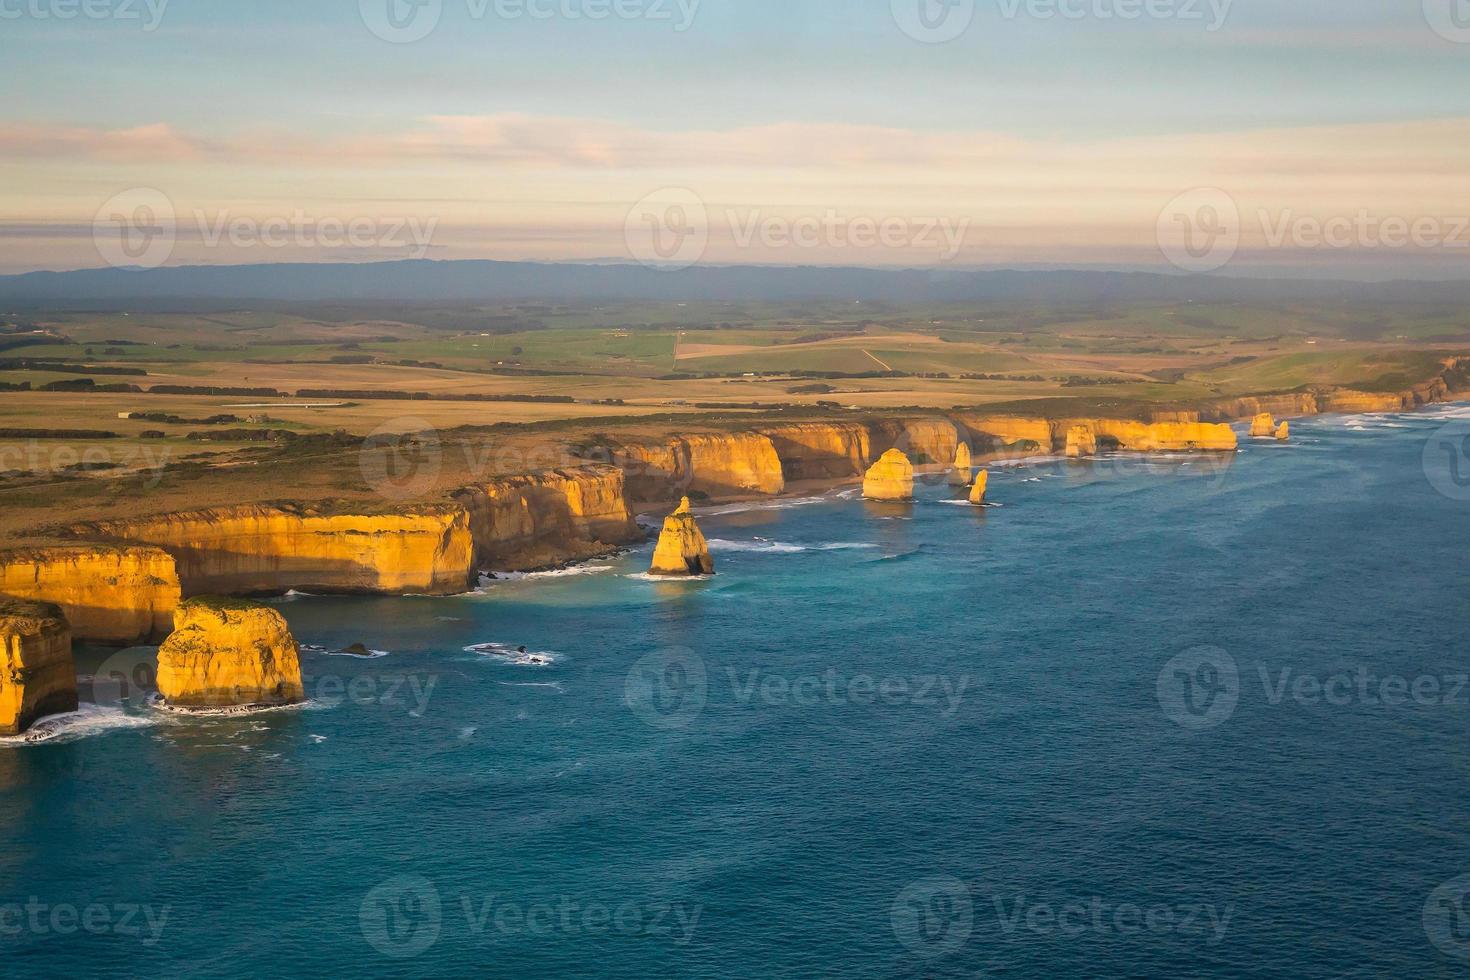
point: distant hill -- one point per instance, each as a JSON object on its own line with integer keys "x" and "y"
{"x": 446, "y": 283}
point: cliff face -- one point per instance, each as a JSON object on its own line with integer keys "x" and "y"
{"x": 533, "y": 521}
{"x": 228, "y": 653}
{"x": 718, "y": 464}
{"x": 1161, "y": 437}
{"x": 1291, "y": 404}
{"x": 891, "y": 478}
{"x": 994, "y": 433}
{"x": 37, "y": 677}
{"x": 1263, "y": 426}
{"x": 926, "y": 441}
{"x": 263, "y": 549}
{"x": 682, "y": 549}
{"x": 822, "y": 451}
{"x": 1081, "y": 441}
{"x": 118, "y": 596}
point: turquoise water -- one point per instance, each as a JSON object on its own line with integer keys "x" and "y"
{"x": 1033, "y": 740}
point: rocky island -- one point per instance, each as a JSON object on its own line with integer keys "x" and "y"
{"x": 682, "y": 549}
{"x": 229, "y": 653}
{"x": 891, "y": 478}
{"x": 37, "y": 678}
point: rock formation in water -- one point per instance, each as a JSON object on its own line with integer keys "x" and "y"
{"x": 37, "y": 677}
{"x": 226, "y": 653}
{"x": 982, "y": 483}
{"x": 262, "y": 549}
{"x": 1283, "y": 434}
{"x": 1263, "y": 426}
{"x": 964, "y": 467}
{"x": 528, "y": 522}
{"x": 1081, "y": 441}
{"x": 116, "y": 596}
{"x": 682, "y": 549}
{"x": 891, "y": 478}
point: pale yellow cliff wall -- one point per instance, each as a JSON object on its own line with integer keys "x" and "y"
{"x": 925, "y": 441}
{"x": 716, "y": 464}
{"x": 822, "y": 450}
{"x": 528, "y": 522}
{"x": 37, "y": 676}
{"x": 1167, "y": 437}
{"x": 1291, "y": 404}
{"x": 108, "y": 595}
{"x": 992, "y": 433}
{"x": 227, "y": 653}
{"x": 267, "y": 549}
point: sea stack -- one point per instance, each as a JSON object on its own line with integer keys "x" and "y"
{"x": 682, "y": 549}
{"x": 964, "y": 465}
{"x": 37, "y": 677}
{"x": 1263, "y": 427}
{"x": 1081, "y": 441}
{"x": 229, "y": 653}
{"x": 1283, "y": 434}
{"x": 891, "y": 478}
{"x": 977, "y": 492}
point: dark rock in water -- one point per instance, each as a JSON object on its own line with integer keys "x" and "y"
{"x": 357, "y": 650}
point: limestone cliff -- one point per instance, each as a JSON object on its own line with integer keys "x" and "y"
{"x": 964, "y": 466}
{"x": 528, "y": 522}
{"x": 1291, "y": 404}
{"x": 925, "y": 441}
{"x": 982, "y": 484}
{"x": 229, "y": 653}
{"x": 1081, "y": 441}
{"x": 37, "y": 677}
{"x": 109, "y": 595}
{"x": 994, "y": 433}
{"x": 822, "y": 450}
{"x": 1160, "y": 437}
{"x": 1263, "y": 426}
{"x": 265, "y": 549}
{"x": 682, "y": 549}
{"x": 717, "y": 464}
{"x": 891, "y": 478}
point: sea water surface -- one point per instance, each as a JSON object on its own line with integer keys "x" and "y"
{"x": 1144, "y": 716}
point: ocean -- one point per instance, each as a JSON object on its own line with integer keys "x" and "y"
{"x": 1141, "y": 716}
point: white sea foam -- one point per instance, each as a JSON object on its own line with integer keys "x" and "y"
{"x": 552, "y": 685}
{"x": 668, "y": 579}
{"x": 504, "y": 653}
{"x": 86, "y": 721}
{"x": 761, "y": 545}
{"x": 784, "y": 503}
{"x": 570, "y": 572}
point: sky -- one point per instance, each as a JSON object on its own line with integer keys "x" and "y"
{"x": 1317, "y": 137}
